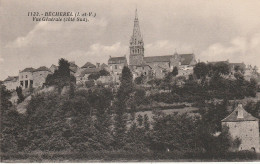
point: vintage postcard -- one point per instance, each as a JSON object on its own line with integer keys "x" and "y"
{"x": 129, "y": 81}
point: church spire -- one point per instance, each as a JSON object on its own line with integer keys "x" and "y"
{"x": 136, "y": 16}
{"x": 136, "y": 31}
{"x": 136, "y": 44}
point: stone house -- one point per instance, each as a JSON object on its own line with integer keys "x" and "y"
{"x": 53, "y": 68}
{"x": 26, "y": 77}
{"x": 30, "y": 77}
{"x": 82, "y": 76}
{"x": 73, "y": 68}
{"x": 116, "y": 64}
{"x": 39, "y": 76}
{"x": 11, "y": 82}
{"x": 245, "y": 127}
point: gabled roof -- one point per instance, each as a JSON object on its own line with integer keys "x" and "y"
{"x": 72, "y": 64}
{"x": 30, "y": 69}
{"x": 11, "y": 78}
{"x": 103, "y": 66}
{"x": 56, "y": 67}
{"x": 43, "y": 68}
{"x": 89, "y": 71}
{"x": 186, "y": 59}
{"x": 117, "y": 60}
{"x": 151, "y": 59}
{"x": 233, "y": 117}
{"x": 88, "y": 65}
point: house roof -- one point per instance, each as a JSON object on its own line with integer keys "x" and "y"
{"x": 11, "y": 78}
{"x": 186, "y": 59}
{"x": 89, "y": 71}
{"x": 103, "y": 66}
{"x": 43, "y": 68}
{"x": 117, "y": 60}
{"x": 72, "y": 64}
{"x": 151, "y": 59}
{"x": 88, "y": 65}
{"x": 54, "y": 66}
{"x": 233, "y": 117}
{"x": 30, "y": 69}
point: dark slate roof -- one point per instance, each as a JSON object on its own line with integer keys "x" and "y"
{"x": 11, "y": 78}
{"x": 88, "y": 65}
{"x": 43, "y": 68}
{"x": 116, "y": 60}
{"x": 186, "y": 59}
{"x": 30, "y": 69}
{"x": 151, "y": 59}
{"x": 233, "y": 116}
{"x": 89, "y": 71}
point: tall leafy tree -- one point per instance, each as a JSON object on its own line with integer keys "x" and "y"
{"x": 123, "y": 94}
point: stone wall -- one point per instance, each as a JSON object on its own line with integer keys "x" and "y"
{"x": 39, "y": 78}
{"x": 11, "y": 85}
{"x": 247, "y": 131}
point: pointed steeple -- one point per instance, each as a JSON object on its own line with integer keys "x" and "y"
{"x": 136, "y": 43}
{"x": 136, "y": 16}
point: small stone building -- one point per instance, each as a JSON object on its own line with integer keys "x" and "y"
{"x": 11, "y": 82}
{"x": 30, "y": 77}
{"x": 116, "y": 64}
{"x": 244, "y": 126}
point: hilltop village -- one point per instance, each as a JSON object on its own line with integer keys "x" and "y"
{"x": 148, "y": 66}
{"x": 147, "y": 107}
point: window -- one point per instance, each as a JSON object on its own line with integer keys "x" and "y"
{"x": 138, "y": 50}
{"x": 21, "y": 83}
{"x": 115, "y": 66}
{"x": 25, "y": 76}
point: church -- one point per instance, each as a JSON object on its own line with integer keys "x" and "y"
{"x": 153, "y": 66}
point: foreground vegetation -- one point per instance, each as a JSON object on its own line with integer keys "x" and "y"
{"x": 100, "y": 123}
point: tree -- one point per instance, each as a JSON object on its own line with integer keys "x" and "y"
{"x": 140, "y": 79}
{"x": 221, "y": 68}
{"x": 123, "y": 94}
{"x": 104, "y": 72}
{"x": 94, "y": 76}
{"x": 201, "y": 70}
{"x": 62, "y": 76}
{"x": 11, "y": 124}
{"x": 140, "y": 120}
{"x": 175, "y": 71}
{"x": 240, "y": 69}
{"x": 20, "y": 95}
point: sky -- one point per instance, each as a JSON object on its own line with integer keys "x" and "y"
{"x": 213, "y": 30}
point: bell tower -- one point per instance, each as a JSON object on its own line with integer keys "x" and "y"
{"x": 136, "y": 44}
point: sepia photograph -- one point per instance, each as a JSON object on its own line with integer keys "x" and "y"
{"x": 129, "y": 81}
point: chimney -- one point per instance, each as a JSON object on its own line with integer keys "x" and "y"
{"x": 240, "y": 111}
{"x": 98, "y": 65}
